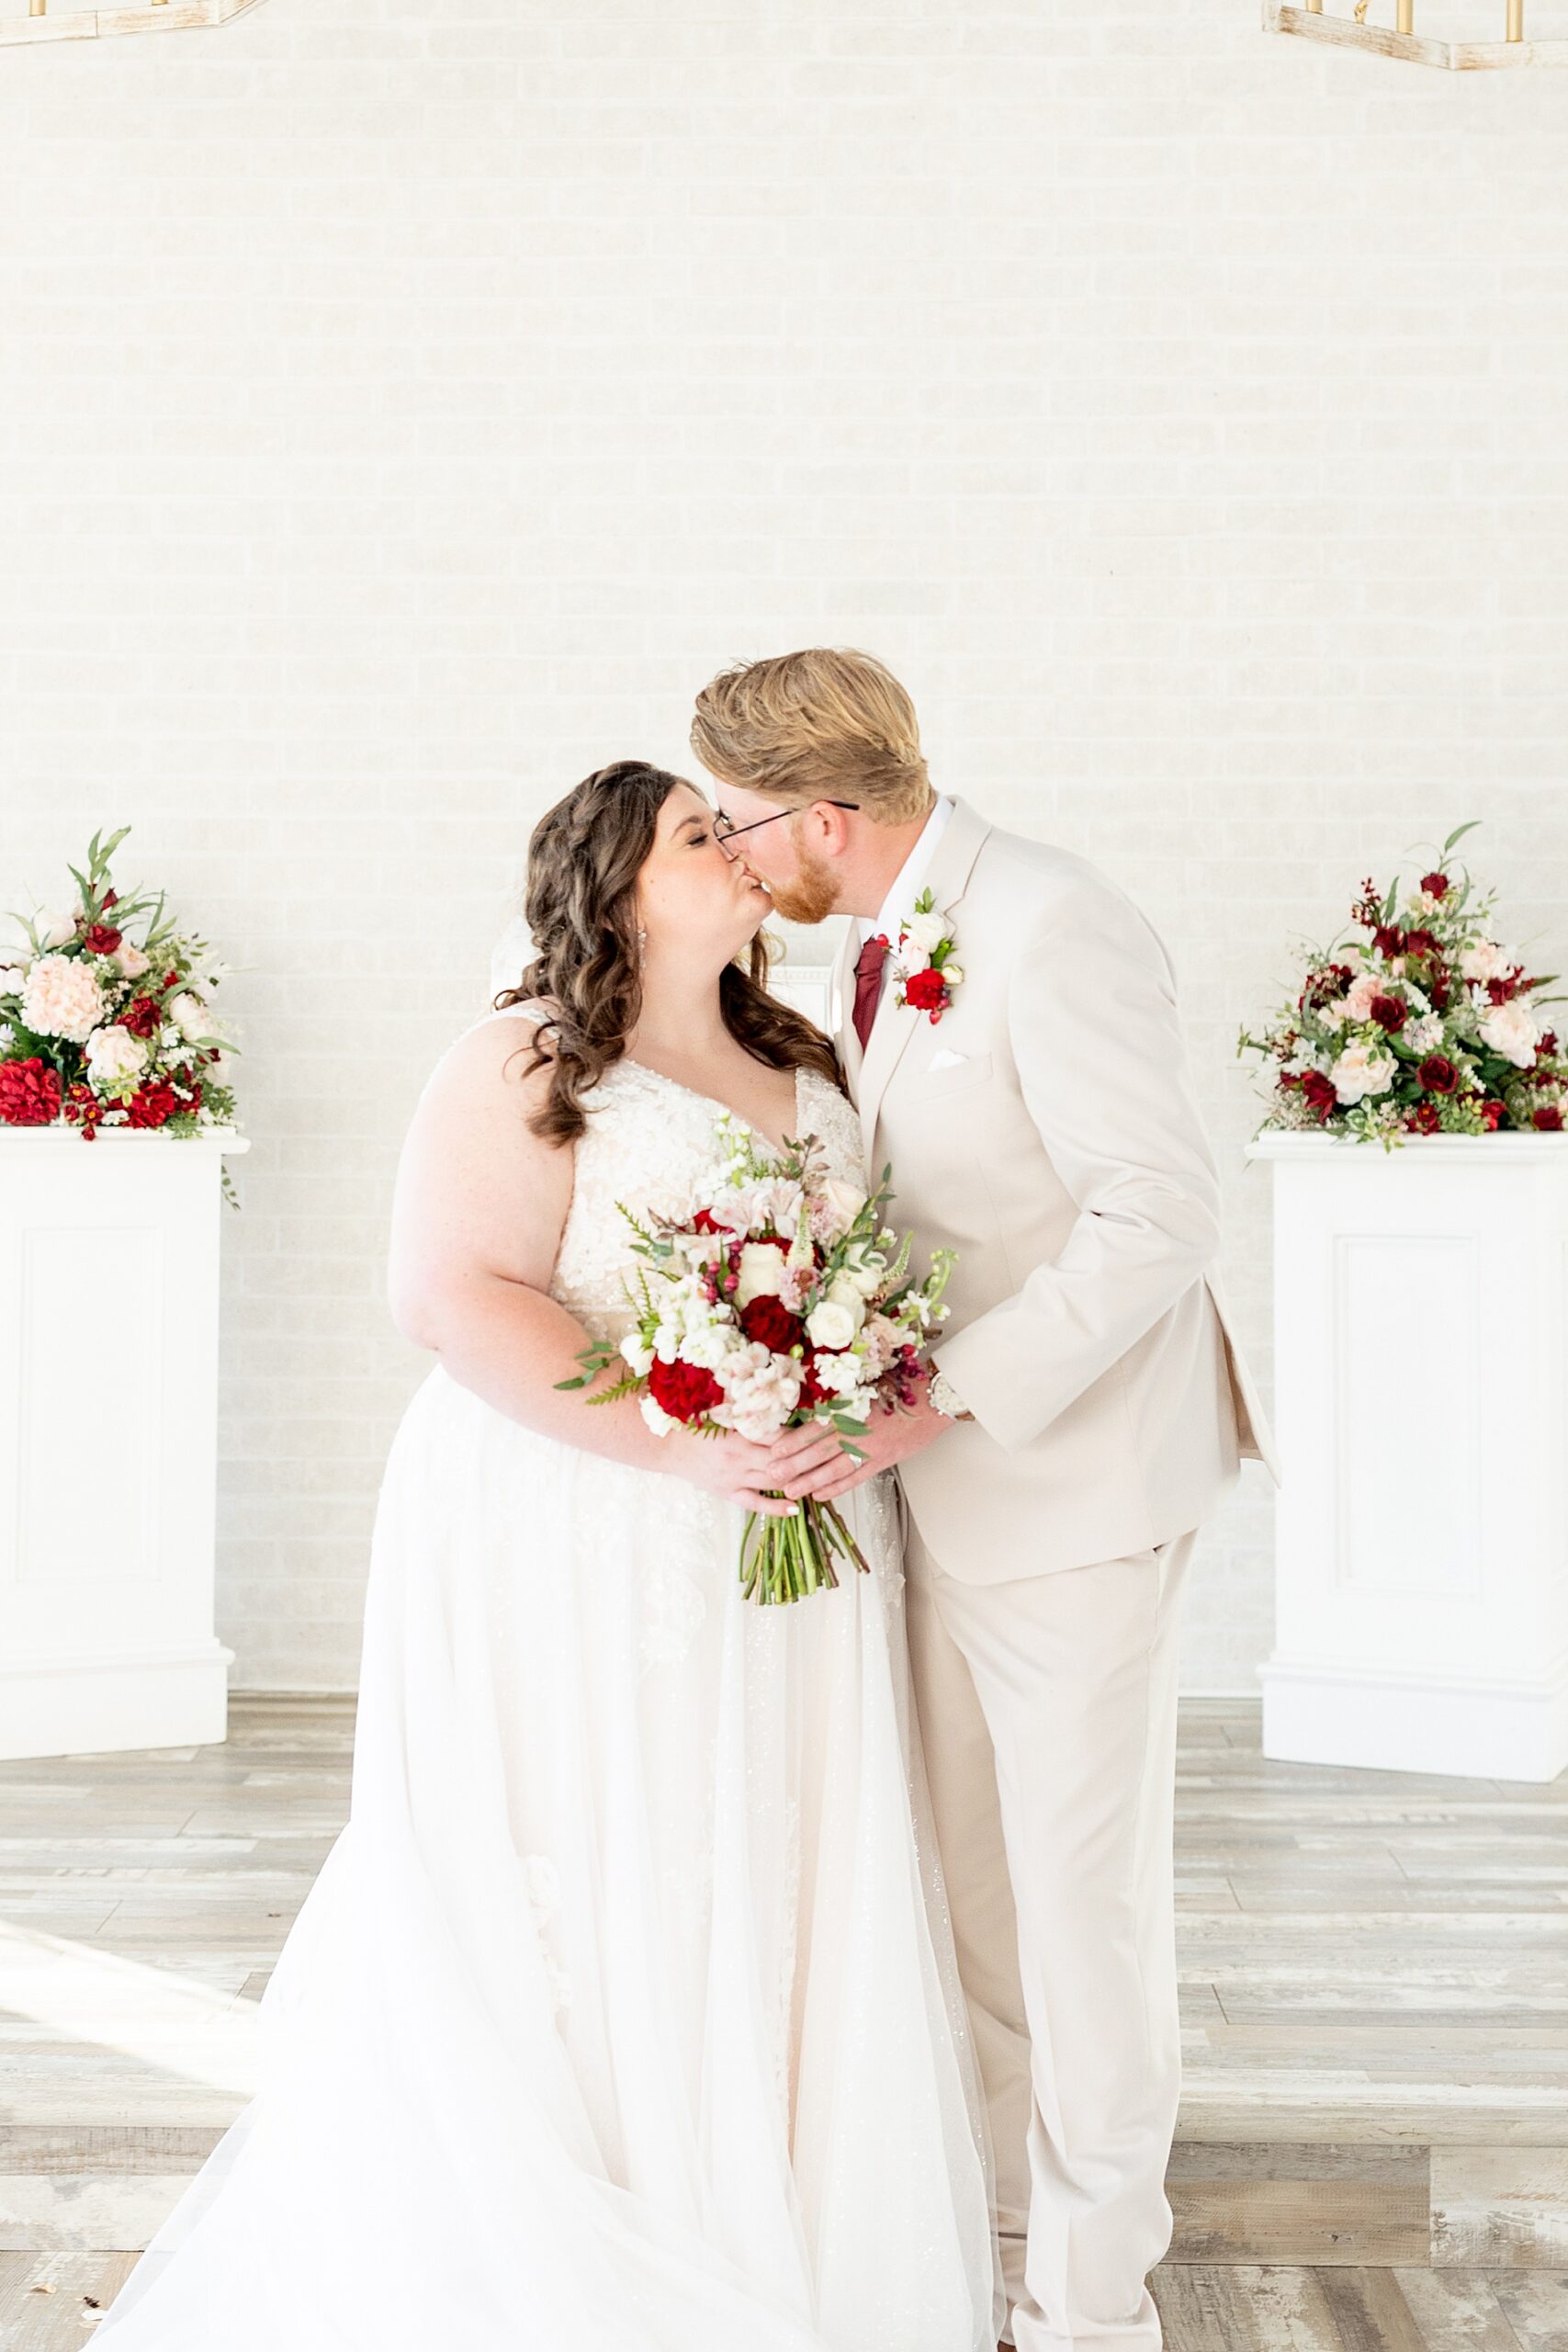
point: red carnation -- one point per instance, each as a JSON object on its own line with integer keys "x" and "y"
{"x": 1423, "y": 1120}
{"x": 1493, "y": 1113}
{"x": 140, "y": 1016}
{"x": 686, "y": 1391}
{"x": 151, "y": 1106}
{"x": 30, "y": 1093}
{"x": 1318, "y": 1090}
{"x": 927, "y": 990}
{"x": 103, "y": 939}
{"x": 1388, "y": 1012}
{"x": 1549, "y": 1119}
{"x": 1438, "y": 1074}
{"x": 1435, "y": 885}
{"x": 767, "y": 1318}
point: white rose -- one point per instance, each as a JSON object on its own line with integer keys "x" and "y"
{"x": 866, "y": 1270}
{"x": 128, "y": 961}
{"x": 1484, "y": 961}
{"x": 830, "y": 1325}
{"x": 113, "y": 1054}
{"x": 846, "y": 1200}
{"x": 926, "y": 931}
{"x": 637, "y": 1353}
{"x": 1361, "y": 1071}
{"x": 762, "y": 1272}
{"x": 1512, "y": 1030}
{"x": 845, "y": 1291}
{"x": 190, "y": 1016}
{"x": 52, "y": 929}
{"x": 951, "y": 973}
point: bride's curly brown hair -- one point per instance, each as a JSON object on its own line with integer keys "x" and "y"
{"x": 584, "y": 856}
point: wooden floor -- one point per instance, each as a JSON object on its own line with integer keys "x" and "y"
{"x": 1372, "y": 2154}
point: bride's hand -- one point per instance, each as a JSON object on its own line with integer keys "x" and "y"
{"x": 732, "y": 1467}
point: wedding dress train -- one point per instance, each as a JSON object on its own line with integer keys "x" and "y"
{"x": 623, "y": 2011}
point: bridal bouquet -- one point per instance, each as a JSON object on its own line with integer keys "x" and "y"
{"x": 102, "y": 1029}
{"x": 1422, "y": 1026}
{"x": 780, "y": 1298}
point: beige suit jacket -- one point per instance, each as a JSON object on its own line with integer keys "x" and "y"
{"x": 1063, "y": 1158}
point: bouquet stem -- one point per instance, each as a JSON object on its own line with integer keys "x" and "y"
{"x": 785, "y": 1559}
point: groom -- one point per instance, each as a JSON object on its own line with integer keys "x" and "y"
{"x": 1089, "y": 1409}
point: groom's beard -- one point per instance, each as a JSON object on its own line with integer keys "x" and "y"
{"x": 810, "y": 895}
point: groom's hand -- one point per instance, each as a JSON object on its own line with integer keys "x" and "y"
{"x": 812, "y": 1460}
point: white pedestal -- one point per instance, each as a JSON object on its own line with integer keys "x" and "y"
{"x": 1421, "y": 1407}
{"x": 108, "y": 1418}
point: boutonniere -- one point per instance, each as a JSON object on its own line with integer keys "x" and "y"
{"x": 926, "y": 974}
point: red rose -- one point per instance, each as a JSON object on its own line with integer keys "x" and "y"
{"x": 140, "y": 1016}
{"x": 1388, "y": 1012}
{"x": 767, "y": 1318}
{"x": 30, "y": 1093}
{"x": 1423, "y": 1120}
{"x": 1548, "y": 1120}
{"x": 927, "y": 990}
{"x": 1493, "y": 1112}
{"x": 1318, "y": 1091}
{"x": 686, "y": 1391}
{"x": 1435, "y": 885}
{"x": 103, "y": 939}
{"x": 1438, "y": 1074}
{"x": 150, "y": 1107}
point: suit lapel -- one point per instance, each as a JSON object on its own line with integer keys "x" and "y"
{"x": 946, "y": 878}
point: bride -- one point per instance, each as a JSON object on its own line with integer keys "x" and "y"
{"x": 623, "y": 2011}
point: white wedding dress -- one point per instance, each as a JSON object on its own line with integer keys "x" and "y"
{"x": 623, "y": 2015}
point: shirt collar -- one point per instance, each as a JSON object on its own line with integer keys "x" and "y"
{"x": 906, "y": 885}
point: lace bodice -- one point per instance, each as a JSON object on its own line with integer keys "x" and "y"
{"x": 648, "y": 1137}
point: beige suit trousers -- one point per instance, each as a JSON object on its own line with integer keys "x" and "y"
{"x": 1047, "y": 1712}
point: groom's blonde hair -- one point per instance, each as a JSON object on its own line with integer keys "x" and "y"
{"x": 827, "y": 724}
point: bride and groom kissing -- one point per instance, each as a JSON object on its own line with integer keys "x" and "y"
{"x": 692, "y": 1976}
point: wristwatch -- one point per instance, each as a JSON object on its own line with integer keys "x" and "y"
{"x": 946, "y": 1398}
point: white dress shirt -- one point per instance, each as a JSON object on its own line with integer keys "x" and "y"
{"x": 907, "y": 882}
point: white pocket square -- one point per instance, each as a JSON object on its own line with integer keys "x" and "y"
{"x": 945, "y": 1058}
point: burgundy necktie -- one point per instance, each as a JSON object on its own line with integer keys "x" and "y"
{"x": 868, "y": 984}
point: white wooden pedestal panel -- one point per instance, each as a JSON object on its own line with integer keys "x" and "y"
{"x": 109, "y": 1417}
{"x": 1421, "y": 1407}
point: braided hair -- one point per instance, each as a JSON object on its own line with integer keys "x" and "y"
{"x": 584, "y": 856}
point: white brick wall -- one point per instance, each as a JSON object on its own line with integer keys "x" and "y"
{"x": 406, "y": 408}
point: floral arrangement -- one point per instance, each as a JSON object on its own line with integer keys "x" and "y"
{"x": 779, "y": 1298}
{"x": 1419, "y": 1024}
{"x": 922, "y": 960}
{"x": 102, "y": 1029}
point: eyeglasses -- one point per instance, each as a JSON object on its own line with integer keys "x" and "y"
{"x": 724, "y": 832}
